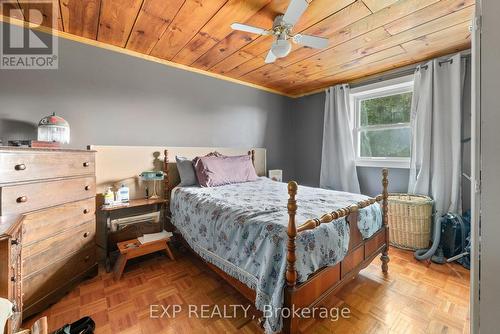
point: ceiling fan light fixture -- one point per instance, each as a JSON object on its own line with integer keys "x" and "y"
{"x": 281, "y": 48}
{"x": 282, "y": 30}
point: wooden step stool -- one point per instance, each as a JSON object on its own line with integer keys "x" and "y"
{"x": 133, "y": 248}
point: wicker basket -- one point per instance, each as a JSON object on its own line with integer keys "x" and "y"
{"x": 410, "y": 221}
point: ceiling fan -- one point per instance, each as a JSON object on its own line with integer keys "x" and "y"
{"x": 282, "y": 32}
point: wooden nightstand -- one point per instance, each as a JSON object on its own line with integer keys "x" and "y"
{"x": 108, "y": 212}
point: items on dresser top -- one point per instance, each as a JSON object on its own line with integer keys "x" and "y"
{"x": 119, "y": 223}
{"x": 33, "y": 143}
{"x": 53, "y": 190}
{"x": 53, "y": 128}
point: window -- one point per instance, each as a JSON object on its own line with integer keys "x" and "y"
{"x": 382, "y": 135}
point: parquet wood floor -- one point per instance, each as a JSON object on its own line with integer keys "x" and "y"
{"x": 413, "y": 298}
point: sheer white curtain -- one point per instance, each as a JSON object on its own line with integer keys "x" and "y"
{"x": 435, "y": 167}
{"x": 338, "y": 166}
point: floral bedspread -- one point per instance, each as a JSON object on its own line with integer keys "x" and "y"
{"x": 241, "y": 228}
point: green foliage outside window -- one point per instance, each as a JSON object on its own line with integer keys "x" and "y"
{"x": 391, "y": 109}
{"x": 388, "y": 110}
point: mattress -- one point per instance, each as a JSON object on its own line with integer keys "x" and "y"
{"x": 242, "y": 229}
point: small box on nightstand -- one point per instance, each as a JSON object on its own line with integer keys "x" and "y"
{"x": 276, "y": 175}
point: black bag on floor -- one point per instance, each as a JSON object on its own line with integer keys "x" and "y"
{"x": 84, "y": 325}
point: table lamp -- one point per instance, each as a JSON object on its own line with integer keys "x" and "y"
{"x": 153, "y": 176}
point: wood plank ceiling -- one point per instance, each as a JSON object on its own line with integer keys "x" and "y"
{"x": 365, "y": 36}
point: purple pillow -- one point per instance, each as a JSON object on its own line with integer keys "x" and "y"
{"x": 213, "y": 171}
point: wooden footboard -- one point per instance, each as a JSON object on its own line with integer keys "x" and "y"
{"x": 320, "y": 287}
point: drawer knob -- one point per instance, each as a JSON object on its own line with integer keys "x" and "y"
{"x": 86, "y": 164}
{"x": 87, "y": 187}
{"x": 14, "y": 242}
{"x": 22, "y": 199}
{"x": 20, "y": 167}
{"x": 86, "y": 258}
{"x": 86, "y": 234}
{"x": 85, "y": 211}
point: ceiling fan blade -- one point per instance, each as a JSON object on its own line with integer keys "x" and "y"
{"x": 311, "y": 41}
{"x": 294, "y": 11}
{"x": 251, "y": 29}
{"x": 270, "y": 58}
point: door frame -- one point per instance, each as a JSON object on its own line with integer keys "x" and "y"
{"x": 475, "y": 168}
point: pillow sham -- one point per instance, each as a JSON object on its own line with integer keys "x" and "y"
{"x": 213, "y": 171}
{"x": 186, "y": 171}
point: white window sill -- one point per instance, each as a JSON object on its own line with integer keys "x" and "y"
{"x": 383, "y": 163}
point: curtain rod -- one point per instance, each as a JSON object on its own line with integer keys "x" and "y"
{"x": 408, "y": 70}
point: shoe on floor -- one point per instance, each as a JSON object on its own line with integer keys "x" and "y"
{"x": 84, "y": 325}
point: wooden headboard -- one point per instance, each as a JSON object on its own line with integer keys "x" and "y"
{"x": 116, "y": 165}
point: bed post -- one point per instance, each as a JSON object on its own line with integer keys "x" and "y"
{"x": 166, "y": 181}
{"x": 252, "y": 153}
{"x": 385, "y": 195}
{"x": 291, "y": 273}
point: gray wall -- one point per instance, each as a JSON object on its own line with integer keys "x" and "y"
{"x": 308, "y": 136}
{"x": 490, "y": 166}
{"x": 114, "y": 99}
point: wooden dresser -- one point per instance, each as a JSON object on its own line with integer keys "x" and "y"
{"x": 54, "y": 192}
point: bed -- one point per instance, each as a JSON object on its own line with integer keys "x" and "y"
{"x": 248, "y": 234}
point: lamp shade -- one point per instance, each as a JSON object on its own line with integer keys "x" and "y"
{"x": 152, "y": 175}
{"x": 53, "y": 128}
{"x": 281, "y": 48}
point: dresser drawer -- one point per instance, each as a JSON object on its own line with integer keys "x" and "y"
{"x": 58, "y": 273}
{"x": 37, "y": 255}
{"x": 18, "y": 166}
{"x": 33, "y": 196}
{"x": 42, "y": 224}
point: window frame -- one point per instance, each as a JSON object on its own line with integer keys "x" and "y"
{"x": 378, "y": 90}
